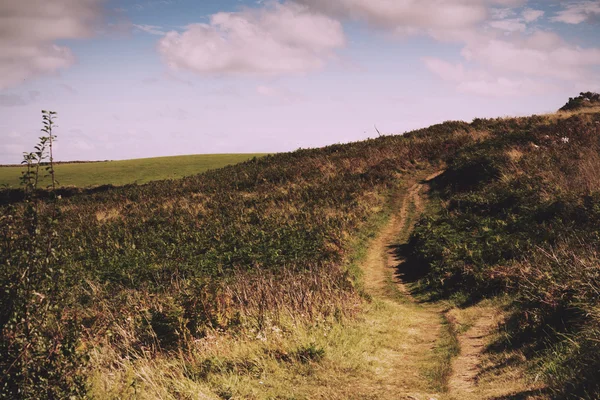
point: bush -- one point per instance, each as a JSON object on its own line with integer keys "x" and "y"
{"x": 39, "y": 336}
{"x": 583, "y": 100}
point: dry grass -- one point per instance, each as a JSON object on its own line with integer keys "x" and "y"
{"x": 498, "y": 374}
{"x": 555, "y": 116}
{"x": 108, "y": 214}
{"x": 292, "y": 344}
{"x": 377, "y": 356}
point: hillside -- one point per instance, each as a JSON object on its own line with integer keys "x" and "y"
{"x": 520, "y": 217}
{"x": 270, "y": 279}
{"x": 125, "y": 172}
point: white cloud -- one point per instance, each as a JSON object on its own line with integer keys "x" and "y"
{"x": 502, "y": 50}
{"x": 276, "y": 39}
{"x": 509, "y": 25}
{"x": 531, "y": 15}
{"x": 408, "y": 16}
{"x": 578, "y": 12}
{"x": 483, "y": 83}
{"x": 28, "y": 30}
{"x": 506, "y": 19}
{"x": 542, "y": 54}
{"x": 508, "y": 3}
{"x": 502, "y": 13}
{"x": 517, "y": 63}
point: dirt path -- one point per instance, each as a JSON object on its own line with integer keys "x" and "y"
{"x": 381, "y": 260}
{"x": 414, "y": 330}
{"x": 462, "y": 383}
{"x": 424, "y": 320}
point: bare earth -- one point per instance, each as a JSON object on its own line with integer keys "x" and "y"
{"x": 406, "y": 371}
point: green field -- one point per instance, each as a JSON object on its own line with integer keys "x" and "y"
{"x": 131, "y": 171}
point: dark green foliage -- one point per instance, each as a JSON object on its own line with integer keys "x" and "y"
{"x": 38, "y": 335}
{"x": 583, "y": 100}
{"x": 310, "y": 353}
{"x": 521, "y": 216}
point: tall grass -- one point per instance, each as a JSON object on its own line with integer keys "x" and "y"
{"x": 150, "y": 269}
{"x": 521, "y": 216}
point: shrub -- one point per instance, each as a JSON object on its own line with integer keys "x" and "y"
{"x": 39, "y": 336}
{"x": 583, "y": 100}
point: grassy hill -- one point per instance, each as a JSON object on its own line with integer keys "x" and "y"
{"x": 139, "y": 171}
{"x": 520, "y": 217}
{"x": 213, "y": 283}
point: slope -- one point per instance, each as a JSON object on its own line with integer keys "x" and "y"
{"x": 89, "y": 174}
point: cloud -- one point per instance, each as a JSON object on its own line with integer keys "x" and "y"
{"x": 542, "y": 54}
{"x": 277, "y": 39}
{"x": 578, "y": 12}
{"x": 531, "y": 15}
{"x": 515, "y": 63}
{"x": 506, "y": 19}
{"x": 151, "y": 29}
{"x": 481, "y": 82}
{"x": 502, "y": 13}
{"x": 507, "y": 3}
{"x": 406, "y": 16}
{"x": 509, "y": 25}
{"x": 28, "y": 30}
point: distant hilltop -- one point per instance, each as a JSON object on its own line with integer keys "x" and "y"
{"x": 587, "y": 99}
{"x": 57, "y": 163}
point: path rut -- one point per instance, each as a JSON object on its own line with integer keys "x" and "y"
{"x": 380, "y": 267}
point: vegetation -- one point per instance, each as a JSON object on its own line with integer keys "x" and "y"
{"x": 216, "y": 282}
{"x": 521, "y": 216}
{"x": 587, "y": 99}
{"x": 154, "y": 268}
{"x": 118, "y": 173}
{"x": 38, "y": 356}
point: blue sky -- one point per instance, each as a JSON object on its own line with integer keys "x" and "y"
{"x": 144, "y": 78}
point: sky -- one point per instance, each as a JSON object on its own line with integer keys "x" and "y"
{"x": 147, "y": 78}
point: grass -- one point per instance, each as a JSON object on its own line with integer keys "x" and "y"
{"x": 446, "y": 350}
{"x": 380, "y": 353}
{"x": 348, "y": 365}
{"x": 124, "y": 172}
{"x": 333, "y": 358}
